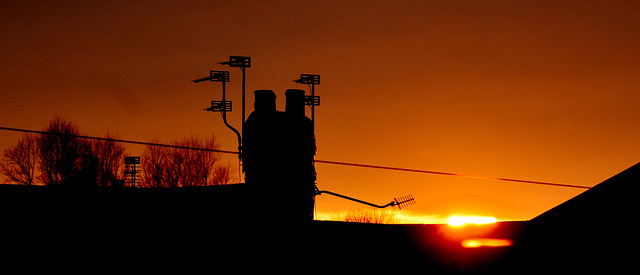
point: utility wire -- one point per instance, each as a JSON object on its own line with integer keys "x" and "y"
{"x": 450, "y": 174}
{"x": 317, "y": 161}
{"x": 120, "y": 140}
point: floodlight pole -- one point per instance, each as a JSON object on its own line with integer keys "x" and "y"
{"x": 224, "y": 105}
{"x": 313, "y": 100}
{"x": 132, "y": 161}
{"x": 244, "y": 81}
{"x": 313, "y": 109}
{"x": 242, "y": 62}
{"x": 224, "y": 119}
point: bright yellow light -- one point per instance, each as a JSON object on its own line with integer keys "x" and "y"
{"x": 462, "y": 220}
{"x": 480, "y": 242}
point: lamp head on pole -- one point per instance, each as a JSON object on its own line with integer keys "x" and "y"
{"x": 238, "y": 61}
{"x": 219, "y": 76}
{"x": 215, "y": 76}
{"x": 308, "y": 79}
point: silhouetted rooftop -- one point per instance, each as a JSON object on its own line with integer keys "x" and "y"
{"x": 215, "y": 227}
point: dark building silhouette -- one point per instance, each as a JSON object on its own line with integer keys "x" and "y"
{"x": 207, "y": 227}
{"x": 594, "y": 231}
{"x": 278, "y": 155}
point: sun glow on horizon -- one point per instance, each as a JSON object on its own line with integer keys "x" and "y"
{"x": 398, "y": 217}
{"x": 486, "y": 242}
{"x": 414, "y": 218}
{"x": 462, "y": 220}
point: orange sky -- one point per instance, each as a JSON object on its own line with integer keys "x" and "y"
{"x": 534, "y": 90}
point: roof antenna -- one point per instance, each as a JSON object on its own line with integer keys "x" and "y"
{"x": 400, "y": 202}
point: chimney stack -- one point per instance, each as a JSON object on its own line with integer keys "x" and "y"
{"x": 295, "y": 102}
{"x": 265, "y": 100}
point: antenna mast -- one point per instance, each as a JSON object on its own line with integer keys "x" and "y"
{"x": 223, "y": 106}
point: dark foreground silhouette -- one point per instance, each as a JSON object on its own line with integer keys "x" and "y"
{"x": 221, "y": 227}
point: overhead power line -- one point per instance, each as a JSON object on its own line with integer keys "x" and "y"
{"x": 317, "y": 161}
{"x": 450, "y": 174}
{"x": 120, "y": 140}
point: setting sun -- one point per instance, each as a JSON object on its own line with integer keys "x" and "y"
{"x": 462, "y": 220}
{"x": 486, "y": 242}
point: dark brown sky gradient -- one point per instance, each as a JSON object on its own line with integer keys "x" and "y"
{"x": 535, "y": 90}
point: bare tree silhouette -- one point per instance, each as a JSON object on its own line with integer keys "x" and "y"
{"x": 19, "y": 162}
{"x": 183, "y": 166}
{"x": 370, "y": 216}
{"x": 60, "y": 154}
{"x": 88, "y": 165}
{"x": 175, "y": 166}
{"x": 63, "y": 157}
{"x": 66, "y": 159}
{"x": 222, "y": 174}
{"x": 154, "y": 165}
{"x": 199, "y": 164}
{"x": 110, "y": 160}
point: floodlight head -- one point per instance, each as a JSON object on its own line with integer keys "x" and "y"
{"x": 219, "y": 76}
{"x": 216, "y": 76}
{"x": 312, "y": 100}
{"x": 238, "y": 61}
{"x": 131, "y": 160}
{"x": 308, "y": 79}
{"x": 219, "y": 106}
